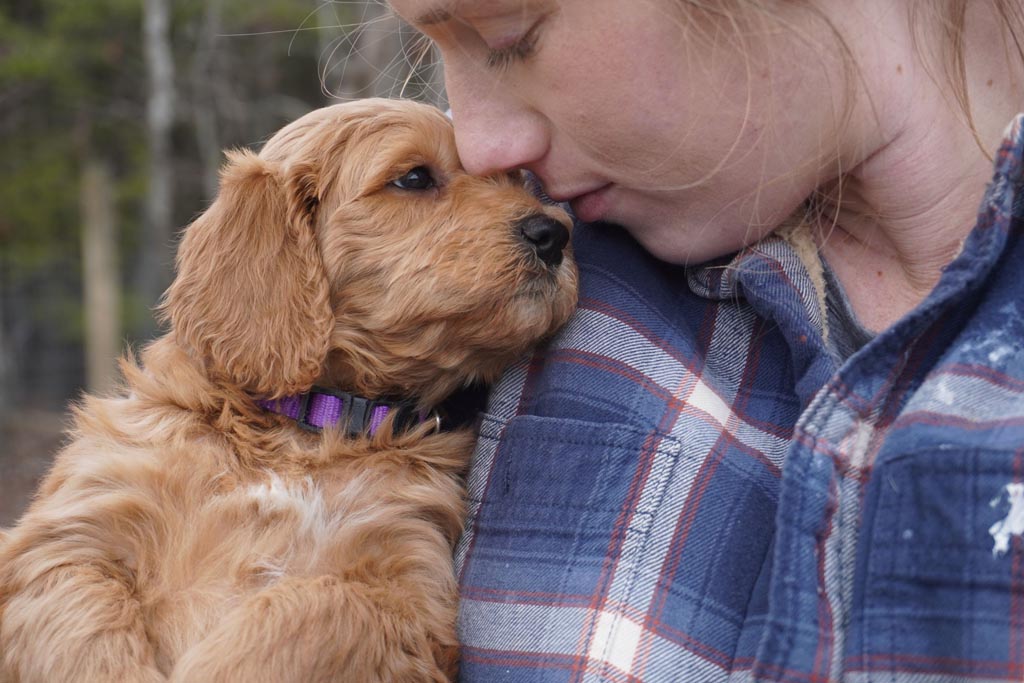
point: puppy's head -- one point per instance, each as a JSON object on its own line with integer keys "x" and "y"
{"x": 354, "y": 251}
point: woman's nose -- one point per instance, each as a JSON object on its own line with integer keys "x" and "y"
{"x": 496, "y": 131}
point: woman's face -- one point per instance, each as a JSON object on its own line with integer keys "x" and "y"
{"x": 695, "y": 135}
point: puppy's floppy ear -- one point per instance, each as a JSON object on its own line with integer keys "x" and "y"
{"x": 251, "y": 296}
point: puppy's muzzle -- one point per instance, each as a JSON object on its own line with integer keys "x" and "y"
{"x": 546, "y": 236}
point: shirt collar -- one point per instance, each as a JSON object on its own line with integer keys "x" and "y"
{"x": 772, "y": 279}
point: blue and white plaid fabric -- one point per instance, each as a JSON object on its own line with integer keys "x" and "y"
{"x": 688, "y": 486}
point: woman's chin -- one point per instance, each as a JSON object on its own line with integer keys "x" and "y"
{"x": 674, "y": 246}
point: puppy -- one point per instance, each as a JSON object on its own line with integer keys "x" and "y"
{"x": 224, "y": 521}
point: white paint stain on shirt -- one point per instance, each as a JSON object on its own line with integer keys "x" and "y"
{"x": 1013, "y": 523}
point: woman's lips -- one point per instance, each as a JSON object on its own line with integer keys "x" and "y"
{"x": 590, "y": 207}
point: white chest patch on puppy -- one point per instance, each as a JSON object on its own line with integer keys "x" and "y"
{"x": 304, "y": 499}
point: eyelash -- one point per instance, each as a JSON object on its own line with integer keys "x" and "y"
{"x": 519, "y": 51}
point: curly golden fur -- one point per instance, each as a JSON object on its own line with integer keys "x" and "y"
{"x": 185, "y": 534}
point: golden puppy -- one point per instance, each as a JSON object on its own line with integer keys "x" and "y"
{"x": 192, "y": 530}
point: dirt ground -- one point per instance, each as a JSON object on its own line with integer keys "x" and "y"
{"x": 28, "y": 442}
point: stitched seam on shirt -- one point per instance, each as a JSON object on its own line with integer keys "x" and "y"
{"x": 823, "y": 406}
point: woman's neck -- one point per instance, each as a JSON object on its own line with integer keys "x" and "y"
{"x": 903, "y": 211}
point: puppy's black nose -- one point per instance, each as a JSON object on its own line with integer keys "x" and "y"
{"x": 547, "y": 236}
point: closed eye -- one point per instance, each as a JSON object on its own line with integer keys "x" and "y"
{"x": 417, "y": 179}
{"x": 521, "y": 50}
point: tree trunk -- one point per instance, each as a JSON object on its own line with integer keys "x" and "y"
{"x": 205, "y": 87}
{"x": 6, "y": 348}
{"x": 100, "y": 275}
{"x": 154, "y": 264}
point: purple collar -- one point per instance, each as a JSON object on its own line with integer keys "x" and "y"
{"x": 321, "y": 408}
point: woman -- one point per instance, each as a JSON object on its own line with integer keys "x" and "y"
{"x": 758, "y": 451}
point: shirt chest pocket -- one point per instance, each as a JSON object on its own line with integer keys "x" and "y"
{"x": 592, "y": 517}
{"x": 944, "y": 560}
{"x": 557, "y": 487}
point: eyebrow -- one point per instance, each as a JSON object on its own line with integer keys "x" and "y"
{"x": 437, "y": 15}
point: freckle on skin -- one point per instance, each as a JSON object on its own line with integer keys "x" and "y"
{"x": 899, "y": 68}
{"x": 879, "y": 273}
{"x": 989, "y": 84}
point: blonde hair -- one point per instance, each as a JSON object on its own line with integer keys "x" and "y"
{"x": 928, "y": 19}
{"x": 951, "y": 16}
{"x": 938, "y": 30}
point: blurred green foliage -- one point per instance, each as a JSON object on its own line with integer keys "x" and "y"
{"x": 73, "y": 86}
{"x": 73, "y": 81}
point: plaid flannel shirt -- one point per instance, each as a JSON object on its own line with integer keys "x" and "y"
{"x": 687, "y": 485}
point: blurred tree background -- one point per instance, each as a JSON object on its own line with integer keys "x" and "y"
{"x": 114, "y": 115}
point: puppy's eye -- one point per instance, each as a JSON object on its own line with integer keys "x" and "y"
{"x": 418, "y": 178}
